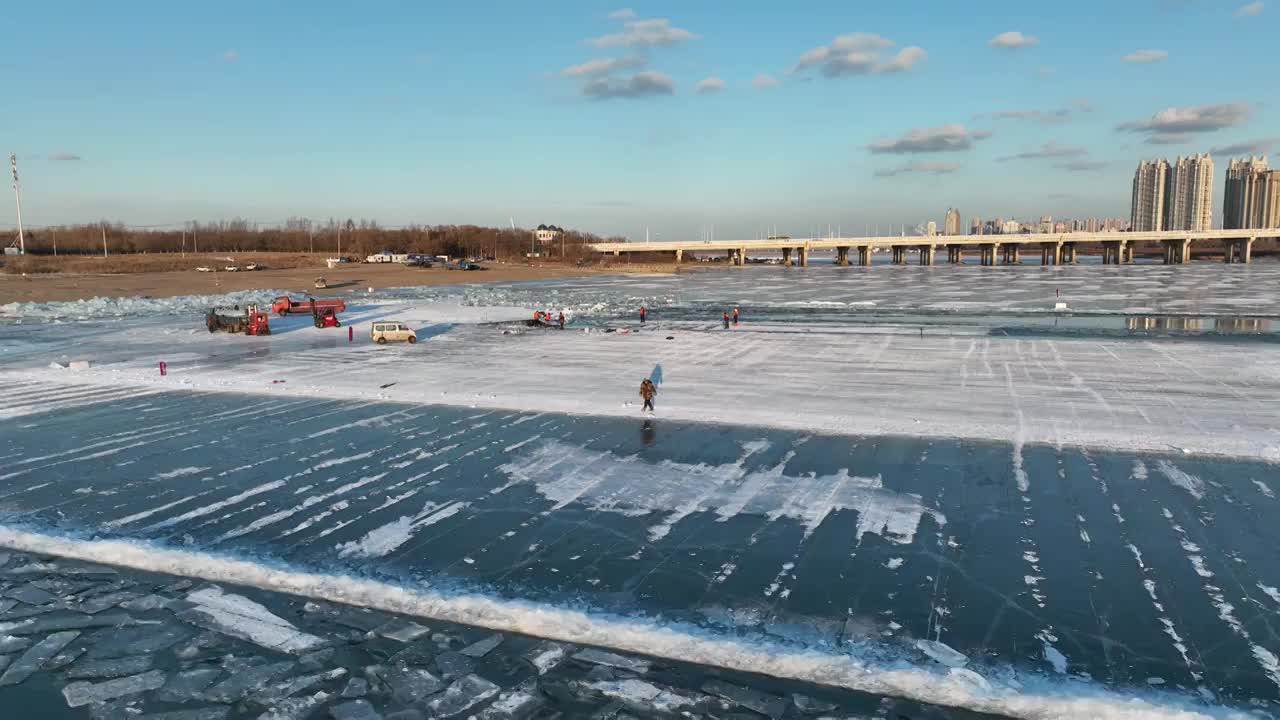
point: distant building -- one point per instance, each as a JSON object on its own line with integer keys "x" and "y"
{"x": 951, "y": 225}
{"x": 547, "y": 234}
{"x": 1011, "y": 227}
{"x": 1252, "y": 196}
{"x": 1146, "y": 209}
{"x": 1046, "y": 224}
{"x": 931, "y": 229}
{"x": 1189, "y": 194}
{"x": 1060, "y": 227}
{"x": 976, "y": 227}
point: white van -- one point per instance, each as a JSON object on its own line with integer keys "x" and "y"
{"x": 385, "y": 331}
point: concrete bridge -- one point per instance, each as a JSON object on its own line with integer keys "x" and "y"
{"x": 1054, "y": 249}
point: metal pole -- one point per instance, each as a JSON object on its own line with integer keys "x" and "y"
{"x": 104, "y": 240}
{"x": 17, "y": 196}
{"x": 184, "y": 242}
{"x": 55, "y": 243}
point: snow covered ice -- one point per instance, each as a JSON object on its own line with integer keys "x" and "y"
{"x": 978, "y": 502}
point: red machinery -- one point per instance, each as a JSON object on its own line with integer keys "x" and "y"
{"x": 325, "y": 317}
{"x": 250, "y": 321}
{"x": 283, "y": 305}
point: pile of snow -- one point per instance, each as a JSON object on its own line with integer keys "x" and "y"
{"x": 104, "y": 308}
{"x": 866, "y": 670}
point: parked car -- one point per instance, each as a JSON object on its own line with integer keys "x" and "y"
{"x": 385, "y": 331}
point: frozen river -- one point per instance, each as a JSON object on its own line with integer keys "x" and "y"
{"x": 970, "y": 516}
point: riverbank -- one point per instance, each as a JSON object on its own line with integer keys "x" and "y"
{"x": 171, "y": 283}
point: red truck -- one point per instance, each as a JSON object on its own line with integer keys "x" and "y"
{"x": 234, "y": 320}
{"x": 283, "y": 305}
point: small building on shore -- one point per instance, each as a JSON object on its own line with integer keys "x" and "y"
{"x": 548, "y": 234}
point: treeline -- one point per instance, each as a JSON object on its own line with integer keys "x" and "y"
{"x": 349, "y": 237}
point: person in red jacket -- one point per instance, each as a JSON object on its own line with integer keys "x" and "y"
{"x": 726, "y": 319}
{"x": 642, "y": 314}
{"x": 735, "y": 315}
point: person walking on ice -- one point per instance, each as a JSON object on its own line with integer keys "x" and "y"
{"x": 647, "y": 391}
{"x": 735, "y": 315}
{"x": 642, "y": 314}
{"x": 726, "y": 319}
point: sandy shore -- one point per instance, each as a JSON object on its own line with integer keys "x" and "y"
{"x": 42, "y": 288}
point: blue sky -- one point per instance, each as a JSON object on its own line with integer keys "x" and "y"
{"x": 589, "y": 114}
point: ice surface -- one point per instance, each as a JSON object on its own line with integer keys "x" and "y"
{"x": 465, "y": 692}
{"x": 11, "y": 643}
{"x": 121, "y": 642}
{"x": 727, "y": 490}
{"x": 356, "y": 688}
{"x": 512, "y": 705}
{"x": 83, "y": 693}
{"x": 35, "y": 656}
{"x": 30, "y": 594}
{"x": 242, "y": 618}
{"x": 546, "y": 656}
{"x": 452, "y": 664}
{"x": 278, "y": 691}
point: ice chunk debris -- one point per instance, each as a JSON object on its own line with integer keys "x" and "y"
{"x": 600, "y": 657}
{"x": 483, "y": 647}
{"x": 187, "y": 685}
{"x": 942, "y": 653}
{"x": 753, "y": 700}
{"x": 35, "y": 657}
{"x": 82, "y": 693}
{"x": 409, "y": 685}
{"x": 641, "y": 695}
{"x": 546, "y": 656}
{"x": 243, "y": 618}
{"x": 247, "y": 680}
{"x": 355, "y": 710}
{"x": 516, "y": 705}
{"x": 465, "y": 693}
{"x": 110, "y": 668}
{"x": 122, "y": 642}
{"x": 402, "y": 630}
{"x": 295, "y": 708}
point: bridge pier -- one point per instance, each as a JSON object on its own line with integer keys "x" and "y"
{"x": 803, "y": 252}
{"x": 899, "y": 255}
{"x": 926, "y": 254}
{"x": 955, "y": 254}
{"x": 1177, "y": 252}
{"x": 864, "y": 256}
{"x": 742, "y": 257}
{"x": 1011, "y": 254}
{"x": 1069, "y": 253}
{"x": 1126, "y": 251}
{"x": 1051, "y": 253}
{"x": 1238, "y": 250}
{"x": 679, "y": 256}
{"x": 842, "y": 255}
{"x": 988, "y": 253}
{"x": 786, "y": 257}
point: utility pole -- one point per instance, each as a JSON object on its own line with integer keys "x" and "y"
{"x": 184, "y": 242}
{"x": 55, "y": 242}
{"x": 104, "y": 240}
{"x": 311, "y": 239}
{"x": 195, "y": 243}
{"x": 17, "y": 196}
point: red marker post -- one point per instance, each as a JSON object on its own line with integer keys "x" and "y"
{"x": 164, "y": 368}
{"x": 351, "y": 334}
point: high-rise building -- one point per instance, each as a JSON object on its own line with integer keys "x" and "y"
{"x": 1189, "y": 194}
{"x": 1147, "y": 207}
{"x": 951, "y": 225}
{"x": 976, "y": 226}
{"x": 931, "y": 229}
{"x": 1252, "y": 196}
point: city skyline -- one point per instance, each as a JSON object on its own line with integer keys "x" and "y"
{"x": 618, "y": 119}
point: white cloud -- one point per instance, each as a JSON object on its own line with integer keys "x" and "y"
{"x": 1083, "y": 165}
{"x": 708, "y": 85}
{"x": 644, "y": 33}
{"x": 763, "y": 81}
{"x": 858, "y": 54}
{"x": 602, "y": 66}
{"x": 231, "y": 56}
{"x": 1193, "y": 119}
{"x": 1145, "y": 56}
{"x": 642, "y": 84}
{"x": 1250, "y": 10}
{"x": 904, "y": 60}
{"x": 623, "y": 14}
{"x": 919, "y": 167}
{"x": 1013, "y": 40}
{"x": 64, "y": 157}
{"x": 946, "y": 138}
{"x": 1050, "y": 149}
{"x": 1260, "y": 146}
{"x": 1044, "y": 117}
